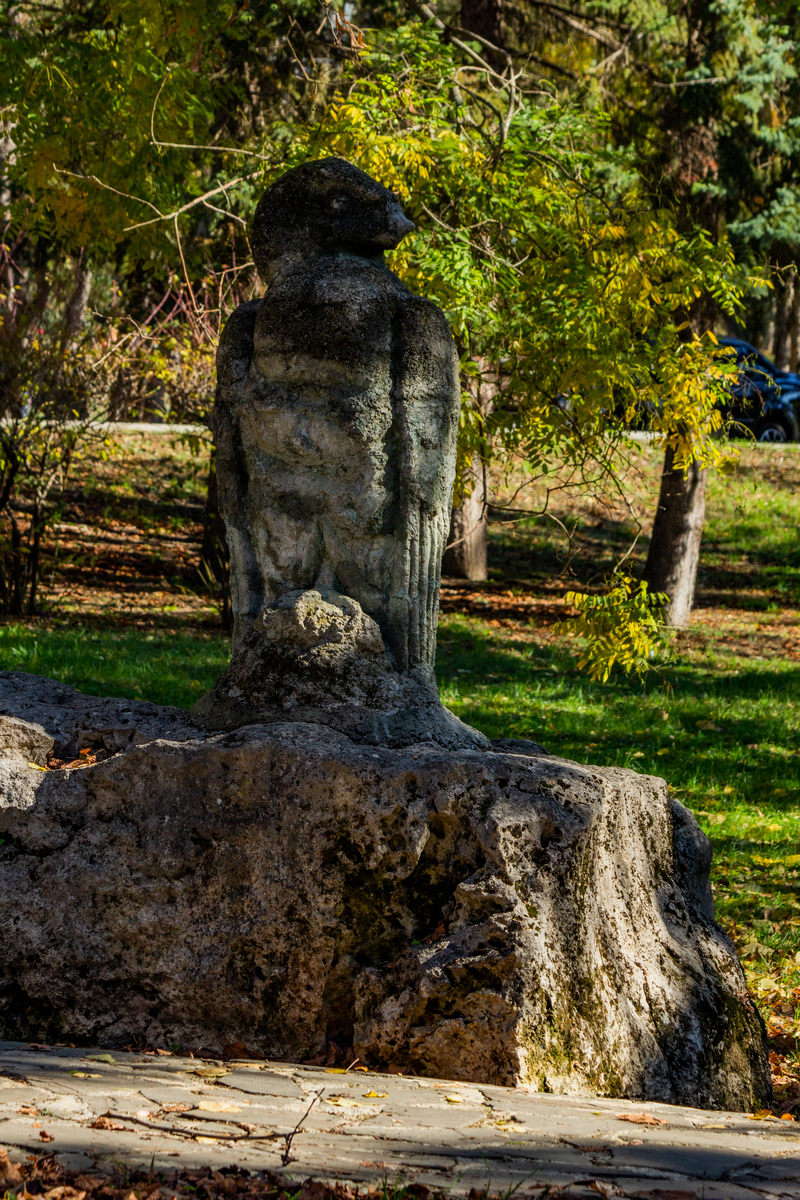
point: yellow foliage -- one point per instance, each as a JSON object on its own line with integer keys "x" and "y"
{"x": 623, "y": 626}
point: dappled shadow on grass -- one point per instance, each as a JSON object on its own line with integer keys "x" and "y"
{"x": 477, "y": 670}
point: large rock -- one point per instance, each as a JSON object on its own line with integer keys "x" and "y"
{"x": 500, "y": 916}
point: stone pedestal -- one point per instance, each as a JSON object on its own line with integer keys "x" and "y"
{"x": 496, "y": 915}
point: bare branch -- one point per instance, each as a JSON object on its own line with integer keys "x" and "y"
{"x": 109, "y": 188}
{"x": 192, "y": 203}
{"x": 190, "y": 145}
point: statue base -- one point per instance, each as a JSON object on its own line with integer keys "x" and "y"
{"x": 498, "y": 915}
{"x": 322, "y": 660}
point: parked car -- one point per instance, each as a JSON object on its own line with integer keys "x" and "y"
{"x": 764, "y": 400}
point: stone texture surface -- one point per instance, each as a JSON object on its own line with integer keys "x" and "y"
{"x": 373, "y": 1130}
{"x": 70, "y": 721}
{"x": 308, "y": 659}
{"x": 336, "y": 420}
{"x": 501, "y": 916}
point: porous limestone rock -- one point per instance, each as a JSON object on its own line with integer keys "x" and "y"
{"x": 24, "y": 739}
{"x": 495, "y": 915}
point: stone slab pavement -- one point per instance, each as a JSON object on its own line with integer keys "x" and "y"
{"x": 133, "y": 1109}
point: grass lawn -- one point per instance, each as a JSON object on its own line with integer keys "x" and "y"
{"x": 719, "y": 717}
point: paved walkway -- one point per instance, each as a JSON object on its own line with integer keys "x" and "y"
{"x": 96, "y": 1106}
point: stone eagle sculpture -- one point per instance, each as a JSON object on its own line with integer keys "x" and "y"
{"x": 336, "y": 420}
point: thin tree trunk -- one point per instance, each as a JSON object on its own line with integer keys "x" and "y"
{"x": 793, "y": 321}
{"x": 483, "y": 18}
{"x": 76, "y": 309}
{"x": 674, "y": 553}
{"x": 780, "y": 339}
{"x": 465, "y": 556}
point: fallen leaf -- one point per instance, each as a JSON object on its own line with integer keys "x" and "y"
{"x": 763, "y": 1114}
{"x": 105, "y": 1123}
{"x": 85, "y": 1075}
{"x": 27, "y": 1110}
{"x": 36, "y": 1046}
{"x": 209, "y": 1072}
{"x": 45, "y": 1136}
{"x": 342, "y": 1102}
{"x": 206, "y": 1141}
{"x": 454, "y": 1099}
{"x": 640, "y": 1119}
{"x": 36, "y": 767}
{"x": 218, "y": 1106}
{"x": 787, "y": 1117}
{"x": 377, "y": 1095}
{"x": 168, "y": 1108}
{"x": 104, "y": 1058}
{"x": 707, "y": 725}
{"x": 437, "y": 933}
{"x": 237, "y": 1050}
{"x": 10, "y": 1174}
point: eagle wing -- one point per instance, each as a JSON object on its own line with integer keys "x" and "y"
{"x": 426, "y": 399}
{"x": 234, "y": 356}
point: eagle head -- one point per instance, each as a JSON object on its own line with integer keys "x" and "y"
{"x": 322, "y": 207}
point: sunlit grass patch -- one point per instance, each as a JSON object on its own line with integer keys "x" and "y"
{"x": 164, "y": 667}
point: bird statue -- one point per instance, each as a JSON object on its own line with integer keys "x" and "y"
{"x": 336, "y": 420}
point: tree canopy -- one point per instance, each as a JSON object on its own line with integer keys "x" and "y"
{"x": 595, "y": 186}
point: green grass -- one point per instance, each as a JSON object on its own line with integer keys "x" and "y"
{"x": 165, "y": 667}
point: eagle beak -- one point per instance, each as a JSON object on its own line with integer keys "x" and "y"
{"x": 397, "y": 227}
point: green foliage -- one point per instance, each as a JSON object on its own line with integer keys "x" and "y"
{"x": 622, "y": 626}
{"x": 559, "y": 230}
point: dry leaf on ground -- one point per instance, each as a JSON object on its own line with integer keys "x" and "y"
{"x": 641, "y": 1119}
{"x": 105, "y": 1123}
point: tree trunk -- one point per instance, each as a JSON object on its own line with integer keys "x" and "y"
{"x": 76, "y": 309}
{"x": 465, "y": 556}
{"x": 483, "y": 18}
{"x": 793, "y": 315}
{"x": 783, "y": 316}
{"x": 674, "y": 553}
